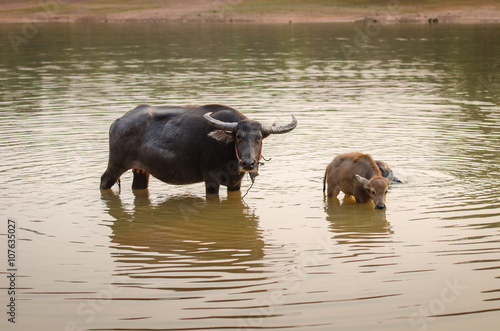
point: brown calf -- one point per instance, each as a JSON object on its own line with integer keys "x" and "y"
{"x": 357, "y": 174}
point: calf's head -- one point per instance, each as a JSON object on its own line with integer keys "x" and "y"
{"x": 247, "y": 136}
{"x": 377, "y": 188}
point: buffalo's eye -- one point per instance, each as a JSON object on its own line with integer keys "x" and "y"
{"x": 239, "y": 137}
{"x": 373, "y": 192}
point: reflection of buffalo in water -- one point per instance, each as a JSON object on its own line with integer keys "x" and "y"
{"x": 351, "y": 222}
{"x": 185, "y": 231}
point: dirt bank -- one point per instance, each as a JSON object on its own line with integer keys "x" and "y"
{"x": 392, "y": 11}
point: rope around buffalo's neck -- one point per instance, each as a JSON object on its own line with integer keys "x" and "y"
{"x": 267, "y": 160}
{"x": 240, "y": 161}
{"x": 251, "y": 185}
{"x": 252, "y": 178}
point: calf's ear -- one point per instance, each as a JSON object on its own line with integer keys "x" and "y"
{"x": 364, "y": 181}
{"x": 221, "y": 136}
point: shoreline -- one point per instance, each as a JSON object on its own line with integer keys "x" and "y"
{"x": 231, "y": 11}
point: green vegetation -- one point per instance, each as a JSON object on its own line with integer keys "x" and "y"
{"x": 306, "y": 6}
{"x": 107, "y": 9}
{"x": 325, "y": 6}
{"x": 89, "y": 6}
{"x": 31, "y": 9}
{"x": 233, "y": 8}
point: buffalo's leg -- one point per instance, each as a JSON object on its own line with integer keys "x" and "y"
{"x": 211, "y": 188}
{"x": 235, "y": 187}
{"x": 141, "y": 179}
{"x": 110, "y": 177}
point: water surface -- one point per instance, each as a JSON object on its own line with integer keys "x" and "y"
{"x": 424, "y": 99}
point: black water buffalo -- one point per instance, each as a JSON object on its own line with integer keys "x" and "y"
{"x": 214, "y": 144}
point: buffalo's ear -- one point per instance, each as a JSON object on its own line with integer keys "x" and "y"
{"x": 384, "y": 168}
{"x": 390, "y": 177}
{"x": 221, "y": 135}
{"x": 364, "y": 181}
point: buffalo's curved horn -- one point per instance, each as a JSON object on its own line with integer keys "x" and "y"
{"x": 226, "y": 126}
{"x": 271, "y": 129}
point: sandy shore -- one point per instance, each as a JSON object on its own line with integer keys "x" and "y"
{"x": 12, "y": 11}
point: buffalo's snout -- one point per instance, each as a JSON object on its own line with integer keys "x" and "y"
{"x": 380, "y": 206}
{"x": 249, "y": 164}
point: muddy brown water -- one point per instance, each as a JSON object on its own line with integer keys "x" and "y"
{"x": 424, "y": 99}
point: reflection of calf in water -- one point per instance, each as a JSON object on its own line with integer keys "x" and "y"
{"x": 351, "y": 222}
{"x": 214, "y": 233}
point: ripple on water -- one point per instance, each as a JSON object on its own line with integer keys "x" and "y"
{"x": 281, "y": 257}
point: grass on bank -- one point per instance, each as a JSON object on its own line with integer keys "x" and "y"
{"x": 307, "y": 6}
{"x": 242, "y": 7}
